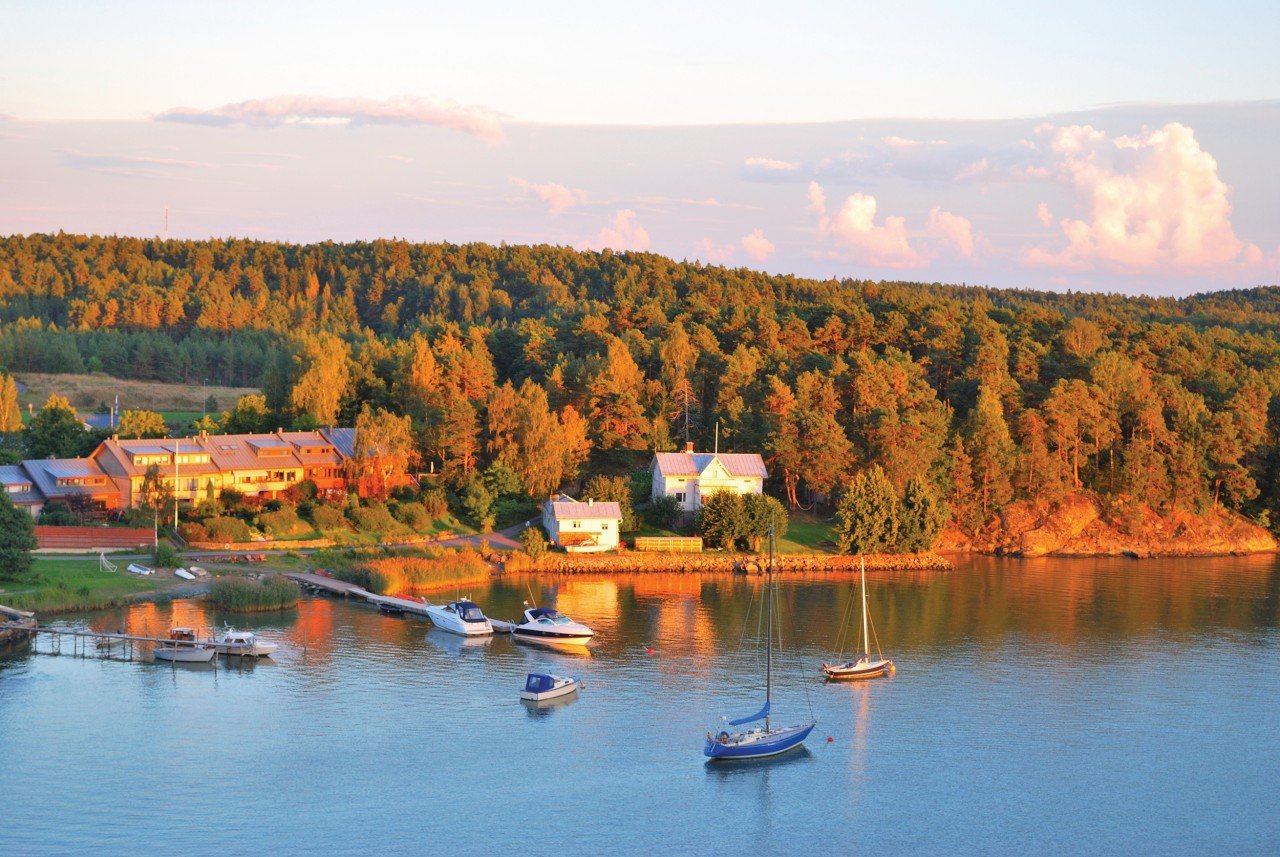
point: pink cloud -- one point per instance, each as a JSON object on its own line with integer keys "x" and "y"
{"x": 893, "y": 141}
{"x": 772, "y": 165}
{"x": 320, "y": 110}
{"x": 817, "y": 198}
{"x": 558, "y": 197}
{"x": 1154, "y": 201}
{"x": 854, "y": 230}
{"x": 951, "y": 229}
{"x": 1044, "y": 215}
{"x": 624, "y": 233}
{"x": 757, "y": 246}
{"x": 708, "y": 251}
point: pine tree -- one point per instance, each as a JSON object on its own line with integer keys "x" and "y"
{"x": 17, "y": 539}
{"x": 990, "y": 449}
{"x": 868, "y": 514}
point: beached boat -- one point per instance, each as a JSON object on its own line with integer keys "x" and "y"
{"x": 245, "y": 644}
{"x": 539, "y": 687}
{"x": 727, "y": 744}
{"x": 543, "y": 626}
{"x": 184, "y": 647}
{"x": 864, "y": 666}
{"x": 460, "y": 617}
{"x": 183, "y": 573}
{"x": 135, "y": 568}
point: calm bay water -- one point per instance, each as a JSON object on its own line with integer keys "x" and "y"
{"x": 1059, "y": 706}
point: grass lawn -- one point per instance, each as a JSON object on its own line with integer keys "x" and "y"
{"x": 87, "y": 391}
{"x": 72, "y": 584}
{"x": 807, "y": 534}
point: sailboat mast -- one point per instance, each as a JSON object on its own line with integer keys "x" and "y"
{"x": 866, "y": 643}
{"x": 768, "y": 662}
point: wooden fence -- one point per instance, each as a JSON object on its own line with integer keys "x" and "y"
{"x": 669, "y": 544}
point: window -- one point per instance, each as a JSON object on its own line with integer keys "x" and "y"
{"x": 605, "y": 525}
{"x": 680, "y": 496}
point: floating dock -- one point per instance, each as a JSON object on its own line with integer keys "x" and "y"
{"x": 322, "y": 583}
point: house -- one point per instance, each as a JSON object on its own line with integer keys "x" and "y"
{"x": 74, "y": 481}
{"x": 580, "y": 527}
{"x": 691, "y": 477}
{"x": 21, "y": 489}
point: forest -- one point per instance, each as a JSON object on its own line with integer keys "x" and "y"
{"x": 533, "y": 357}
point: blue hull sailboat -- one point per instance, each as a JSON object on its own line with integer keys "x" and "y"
{"x": 761, "y": 741}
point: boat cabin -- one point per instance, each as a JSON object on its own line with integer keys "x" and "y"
{"x": 546, "y": 616}
{"x": 467, "y": 611}
{"x": 539, "y": 683}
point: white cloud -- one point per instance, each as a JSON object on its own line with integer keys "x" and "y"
{"x": 854, "y": 229}
{"x": 973, "y": 170}
{"x": 757, "y": 246}
{"x": 708, "y": 251}
{"x": 1044, "y": 215}
{"x": 771, "y": 165}
{"x": 817, "y": 198}
{"x": 319, "y": 110}
{"x": 1154, "y": 201}
{"x": 951, "y": 229}
{"x": 558, "y": 197}
{"x": 624, "y": 233}
{"x": 893, "y": 141}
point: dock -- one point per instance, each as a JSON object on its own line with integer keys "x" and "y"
{"x": 322, "y": 583}
{"x": 16, "y": 625}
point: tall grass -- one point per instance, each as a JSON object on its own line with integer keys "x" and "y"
{"x": 248, "y": 595}
{"x": 441, "y": 568}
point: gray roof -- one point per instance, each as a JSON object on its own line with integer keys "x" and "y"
{"x": 45, "y": 473}
{"x": 738, "y": 464}
{"x": 12, "y": 476}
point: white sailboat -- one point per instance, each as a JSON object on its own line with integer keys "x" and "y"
{"x": 865, "y": 666}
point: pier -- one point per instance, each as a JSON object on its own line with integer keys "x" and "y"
{"x": 321, "y": 583}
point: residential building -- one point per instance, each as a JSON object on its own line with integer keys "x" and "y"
{"x": 17, "y": 483}
{"x": 582, "y": 527}
{"x": 691, "y": 477}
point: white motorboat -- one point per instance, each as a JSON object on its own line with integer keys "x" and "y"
{"x": 183, "y": 573}
{"x": 245, "y": 644}
{"x": 135, "y": 568}
{"x": 543, "y": 686}
{"x": 184, "y": 647}
{"x": 460, "y": 617}
{"x": 543, "y": 626}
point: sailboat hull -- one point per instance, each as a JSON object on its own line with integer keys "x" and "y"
{"x": 755, "y": 744}
{"x": 856, "y": 670}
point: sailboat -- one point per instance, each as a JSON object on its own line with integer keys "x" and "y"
{"x": 758, "y": 742}
{"x": 865, "y": 666}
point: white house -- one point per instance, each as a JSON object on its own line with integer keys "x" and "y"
{"x": 691, "y": 477}
{"x": 581, "y": 527}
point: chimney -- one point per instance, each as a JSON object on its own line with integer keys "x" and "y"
{"x": 591, "y": 501}
{"x": 688, "y": 446}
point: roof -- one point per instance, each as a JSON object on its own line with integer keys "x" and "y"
{"x": 98, "y": 421}
{"x": 738, "y": 464}
{"x": 573, "y": 510}
{"x": 45, "y": 473}
{"x": 13, "y": 476}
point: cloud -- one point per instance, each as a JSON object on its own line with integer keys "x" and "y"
{"x": 708, "y": 251}
{"x": 817, "y": 198}
{"x": 624, "y": 233}
{"x": 319, "y": 110}
{"x": 974, "y": 170}
{"x": 893, "y": 141}
{"x": 557, "y": 197}
{"x": 1044, "y": 215}
{"x": 854, "y": 229}
{"x": 1153, "y": 201}
{"x": 771, "y": 165}
{"x": 757, "y": 247}
{"x": 951, "y": 229}
{"x": 117, "y": 162}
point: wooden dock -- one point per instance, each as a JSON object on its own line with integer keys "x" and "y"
{"x": 321, "y": 583}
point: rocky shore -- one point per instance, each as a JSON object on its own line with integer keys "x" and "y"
{"x": 633, "y": 562}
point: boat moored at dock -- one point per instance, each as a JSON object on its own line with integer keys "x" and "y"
{"x": 245, "y": 644}
{"x": 460, "y": 617}
{"x": 184, "y": 647}
{"x": 544, "y": 626}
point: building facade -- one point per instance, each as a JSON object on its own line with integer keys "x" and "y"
{"x": 582, "y": 527}
{"x": 691, "y": 477}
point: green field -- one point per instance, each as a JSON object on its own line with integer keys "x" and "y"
{"x": 806, "y": 534}
{"x": 71, "y": 584}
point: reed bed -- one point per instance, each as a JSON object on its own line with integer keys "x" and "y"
{"x": 246, "y": 595}
{"x": 440, "y": 568}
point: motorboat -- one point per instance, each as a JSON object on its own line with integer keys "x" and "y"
{"x": 539, "y": 687}
{"x": 244, "y": 644}
{"x": 460, "y": 617}
{"x": 864, "y": 666}
{"x": 758, "y": 742}
{"x": 544, "y": 626}
{"x": 184, "y": 647}
{"x": 135, "y": 568}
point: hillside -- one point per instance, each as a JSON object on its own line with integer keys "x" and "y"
{"x": 530, "y": 357}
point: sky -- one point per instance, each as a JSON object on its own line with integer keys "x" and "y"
{"x": 1086, "y": 146}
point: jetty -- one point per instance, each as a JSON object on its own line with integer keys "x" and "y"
{"x": 16, "y": 625}
{"x": 324, "y": 584}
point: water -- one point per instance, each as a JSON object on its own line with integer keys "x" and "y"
{"x": 1048, "y": 706}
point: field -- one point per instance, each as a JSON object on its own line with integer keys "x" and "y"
{"x": 71, "y": 584}
{"x": 181, "y": 401}
{"x": 807, "y": 534}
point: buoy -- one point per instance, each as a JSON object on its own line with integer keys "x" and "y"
{"x": 830, "y": 740}
{"x": 649, "y": 650}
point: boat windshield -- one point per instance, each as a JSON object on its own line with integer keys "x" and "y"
{"x": 547, "y": 616}
{"x": 470, "y": 612}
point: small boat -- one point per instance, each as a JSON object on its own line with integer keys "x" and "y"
{"x": 543, "y": 626}
{"x": 197, "y": 571}
{"x": 864, "y": 666}
{"x": 183, "y": 573}
{"x": 139, "y": 569}
{"x": 460, "y": 617}
{"x": 543, "y": 686}
{"x": 390, "y": 609}
{"x": 184, "y": 647}
{"x": 244, "y": 644}
{"x": 758, "y": 743}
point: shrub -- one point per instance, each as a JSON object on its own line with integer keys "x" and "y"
{"x": 283, "y": 522}
{"x": 435, "y": 502}
{"x": 246, "y": 594}
{"x": 533, "y": 543}
{"x": 366, "y": 578}
{"x": 58, "y": 514}
{"x": 664, "y": 512}
{"x": 373, "y": 518}
{"x": 414, "y": 516}
{"x": 328, "y": 518}
{"x": 166, "y": 557}
{"x": 225, "y": 529}
{"x": 193, "y": 531}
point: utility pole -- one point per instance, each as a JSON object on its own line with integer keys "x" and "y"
{"x": 176, "y": 444}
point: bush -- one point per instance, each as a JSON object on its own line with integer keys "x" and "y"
{"x": 193, "y": 532}
{"x": 373, "y": 518}
{"x": 414, "y": 516}
{"x": 282, "y": 523}
{"x": 533, "y": 543}
{"x": 224, "y": 529}
{"x": 246, "y": 594}
{"x": 58, "y": 514}
{"x": 436, "y": 502}
{"x": 366, "y": 578}
{"x": 166, "y": 557}
{"x": 328, "y": 518}
{"x": 664, "y": 512}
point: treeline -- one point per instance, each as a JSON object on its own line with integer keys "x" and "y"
{"x": 530, "y": 357}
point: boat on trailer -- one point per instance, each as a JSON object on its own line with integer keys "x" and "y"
{"x": 864, "y": 666}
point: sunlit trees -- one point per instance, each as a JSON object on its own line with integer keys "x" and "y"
{"x": 10, "y": 413}
{"x": 140, "y": 424}
{"x": 55, "y": 431}
{"x": 17, "y": 539}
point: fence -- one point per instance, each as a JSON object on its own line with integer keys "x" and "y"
{"x": 669, "y": 544}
